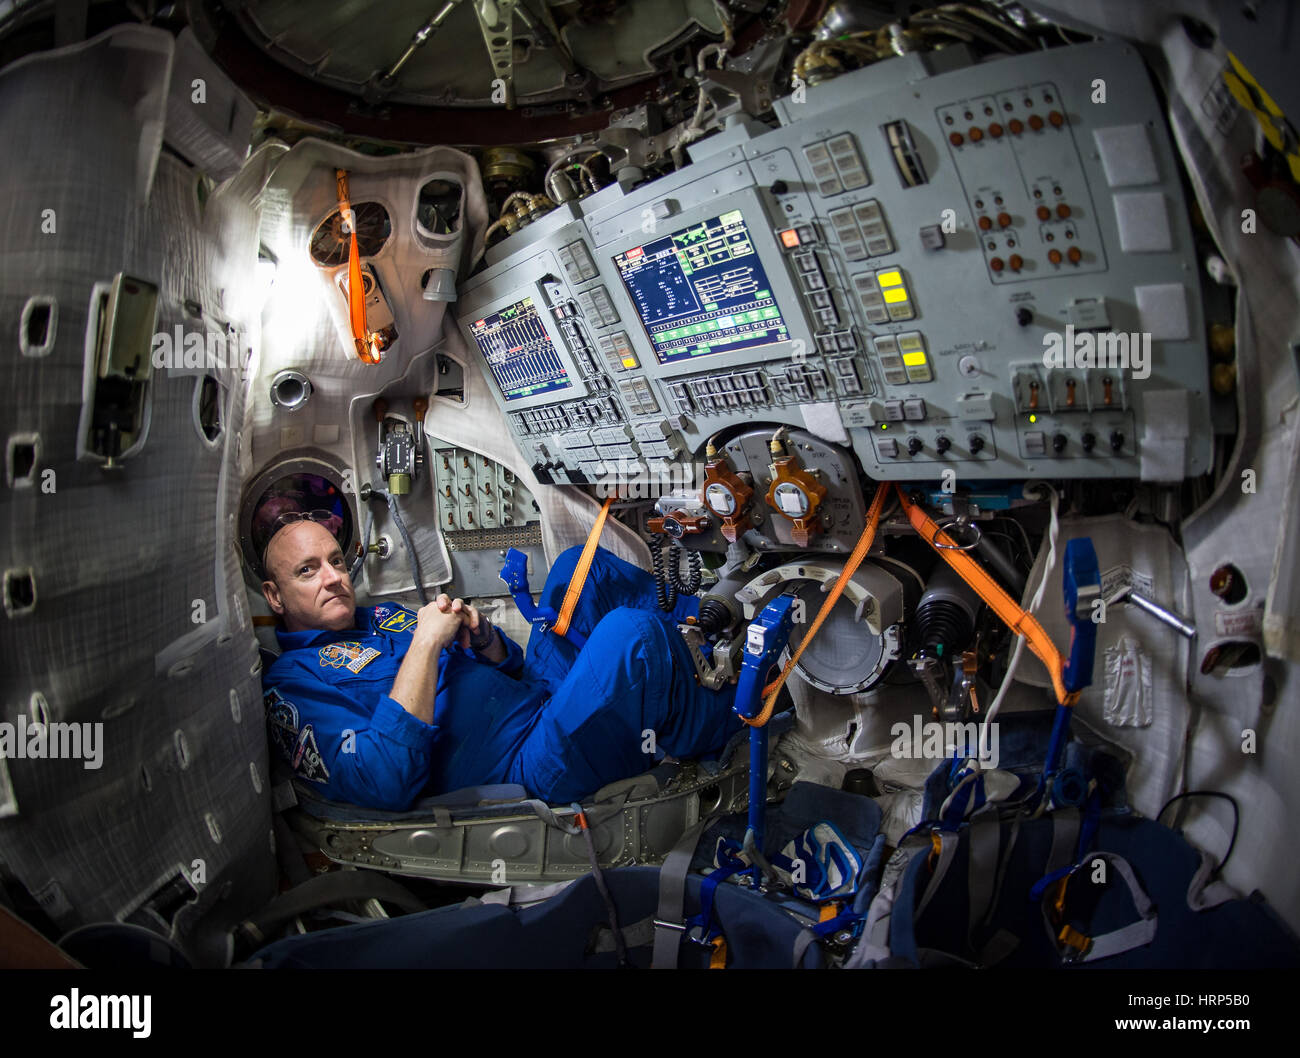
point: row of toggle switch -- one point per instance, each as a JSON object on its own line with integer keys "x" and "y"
{"x": 890, "y": 447}
{"x": 1036, "y": 442}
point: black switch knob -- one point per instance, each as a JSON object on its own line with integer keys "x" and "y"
{"x": 1024, "y": 316}
{"x": 779, "y": 187}
{"x": 976, "y": 444}
{"x": 942, "y": 444}
{"x": 914, "y": 445}
{"x": 1116, "y": 440}
{"x": 1089, "y": 441}
{"x": 1059, "y": 442}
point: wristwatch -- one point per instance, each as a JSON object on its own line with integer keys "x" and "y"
{"x": 484, "y": 637}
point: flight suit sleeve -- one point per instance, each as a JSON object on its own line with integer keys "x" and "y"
{"x": 513, "y": 662}
{"x": 378, "y": 761}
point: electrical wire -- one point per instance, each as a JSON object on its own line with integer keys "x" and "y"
{"x": 695, "y": 128}
{"x": 1236, "y": 819}
{"x": 694, "y": 561}
{"x": 664, "y": 587}
{"x": 562, "y": 160}
{"x": 1052, "y": 534}
{"x": 1028, "y": 548}
{"x": 355, "y": 571}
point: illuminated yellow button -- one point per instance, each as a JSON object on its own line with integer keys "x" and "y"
{"x": 889, "y": 279}
{"x": 630, "y": 361}
{"x": 914, "y": 359}
{"x": 894, "y": 295}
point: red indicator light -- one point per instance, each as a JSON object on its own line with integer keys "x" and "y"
{"x": 789, "y": 238}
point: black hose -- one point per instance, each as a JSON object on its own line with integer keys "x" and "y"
{"x": 355, "y": 571}
{"x": 1011, "y": 577}
{"x": 410, "y": 548}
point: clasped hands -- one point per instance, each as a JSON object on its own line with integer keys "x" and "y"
{"x": 447, "y": 620}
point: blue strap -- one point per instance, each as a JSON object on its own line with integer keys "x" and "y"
{"x": 1055, "y": 748}
{"x": 1081, "y": 583}
{"x": 515, "y": 573}
{"x": 1087, "y": 831}
{"x": 848, "y": 918}
{"x": 708, "y": 887}
{"x": 1040, "y": 886}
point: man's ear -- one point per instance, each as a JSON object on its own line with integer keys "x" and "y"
{"x": 272, "y": 592}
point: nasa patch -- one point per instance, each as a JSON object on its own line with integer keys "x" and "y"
{"x": 398, "y": 620}
{"x": 307, "y": 760}
{"x": 281, "y": 722}
{"x": 352, "y": 656}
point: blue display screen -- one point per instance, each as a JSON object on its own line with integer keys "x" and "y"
{"x": 519, "y": 351}
{"x": 702, "y": 290}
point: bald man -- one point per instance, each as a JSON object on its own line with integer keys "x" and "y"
{"x": 379, "y": 705}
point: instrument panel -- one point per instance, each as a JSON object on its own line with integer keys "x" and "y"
{"x": 937, "y": 264}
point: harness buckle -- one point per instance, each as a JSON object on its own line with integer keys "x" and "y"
{"x": 1078, "y": 943}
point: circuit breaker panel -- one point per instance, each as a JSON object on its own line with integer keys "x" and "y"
{"x": 483, "y": 510}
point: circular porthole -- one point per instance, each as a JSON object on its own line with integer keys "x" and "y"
{"x": 304, "y": 486}
{"x": 330, "y": 243}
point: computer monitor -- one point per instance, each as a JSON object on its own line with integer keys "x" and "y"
{"x": 520, "y": 352}
{"x": 702, "y": 290}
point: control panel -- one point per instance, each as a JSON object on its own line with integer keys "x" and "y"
{"x": 936, "y": 263}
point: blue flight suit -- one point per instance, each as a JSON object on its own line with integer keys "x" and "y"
{"x": 562, "y": 724}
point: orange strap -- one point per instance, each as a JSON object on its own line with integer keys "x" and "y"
{"x": 850, "y": 567}
{"x": 361, "y": 335}
{"x": 718, "y": 960}
{"x": 580, "y": 571}
{"x": 1019, "y": 621}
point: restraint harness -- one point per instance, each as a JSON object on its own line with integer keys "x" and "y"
{"x": 767, "y": 637}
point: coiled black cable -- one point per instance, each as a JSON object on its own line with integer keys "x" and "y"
{"x": 691, "y": 584}
{"x": 666, "y": 589}
{"x": 669, "y": 581}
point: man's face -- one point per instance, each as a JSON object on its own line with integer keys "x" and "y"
{"x": 309, "y": 586}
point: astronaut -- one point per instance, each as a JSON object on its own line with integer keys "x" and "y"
{"x": 379, "y": 705}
